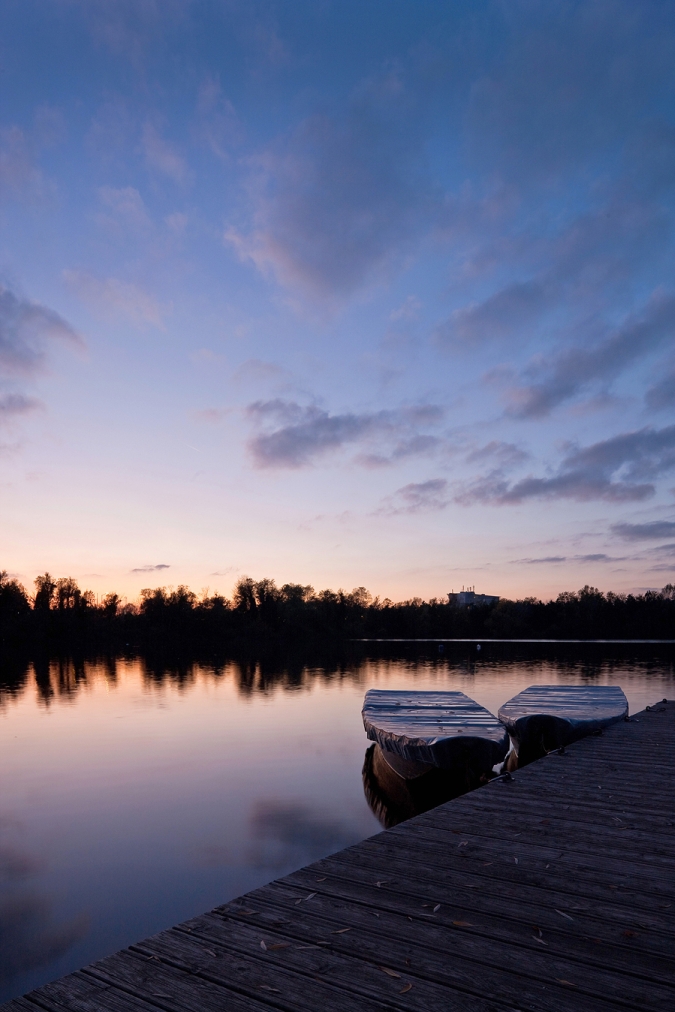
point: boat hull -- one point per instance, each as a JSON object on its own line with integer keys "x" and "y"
{"x": 548, "y": 717}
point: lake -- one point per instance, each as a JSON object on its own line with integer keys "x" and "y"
{"x": 135, "y": 794}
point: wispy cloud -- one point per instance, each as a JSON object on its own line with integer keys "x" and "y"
{"x": 575, "y": 369}
{"x": 25, "y": 327}
{"x": 620, "y": 469}
{"x": 150, "y": 569}
{"x": 124, "y": 210}
{"x": 303, "y": 434}
{"x": 162, "y": 157}
{"x": 554, "y": 559}
{"x": 651, "y": 531}
{"x": 12, "y": 405}
{"x": 112, "y": 297}
{"x": 340, "y": 196}
{"x": 661, "y": 396}
{"x": 418, "y": 497}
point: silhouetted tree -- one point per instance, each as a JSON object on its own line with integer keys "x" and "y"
{"x": 44, "y": 592}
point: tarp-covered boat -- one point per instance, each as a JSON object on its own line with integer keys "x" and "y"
{"x": 546, "y": 717}
{"x": 441, "y": 729}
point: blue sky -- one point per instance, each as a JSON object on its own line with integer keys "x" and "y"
{"x": 374, "y": 293}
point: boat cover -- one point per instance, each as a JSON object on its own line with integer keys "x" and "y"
{"x": 583, "y": 708}
{"x": 434, "y": 727}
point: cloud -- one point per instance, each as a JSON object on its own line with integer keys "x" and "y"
{"x": 218, "y": 124}
{"x": 162, "y": 157}
{"x": 126, "y": 210}
{"x": 574, "y": 369}
{"x": 408, "y": 310}
{"x": 288, "y": 834}
{"x": 299, "y": 443}
{"x": 16, "y": 404}
{"x": 507, "y": 455}
{"x": 129, "y": 28}
{"x": 112, "y": 297}
{"x": 615, "y": 53}
{"x": 620, "y": 469}
{"x": 553, "y": 559}
{"x": 418, "y": 497}
{"x": 25, "y": 327}
{"x": 662, "y": 394}
{"x": 545, "y": 560}
{"x": 151, "y": 569}
{"x": 305, "y": 433}
{"x": 415, "y": 446}
{"x": 339, "y": 198}
{"x": 651, "y": 531}
{"x": 18, "y": 172}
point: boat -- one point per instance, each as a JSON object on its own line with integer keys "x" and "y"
{"x": 544, "y": 718}
{"x": 417, "y": 731}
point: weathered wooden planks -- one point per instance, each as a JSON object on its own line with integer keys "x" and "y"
{"x": 553, "y": 891}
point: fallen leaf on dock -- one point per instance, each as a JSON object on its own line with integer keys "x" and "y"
{"x": 298, "y": 901}
{"x": 568, "y": 982}
{"x": 341, "y": 931}
{"x": 210, "y": 952}
{"x": 279, "y": 945}
{"x": 463, "y": 924}
{"x": 540, "y": 940}
{"x": 390, "y": 973}
{"x": 266, "y": 987}
{"x": 487, "y": 863}
{"x": 437, "y": 908}
{"x": 311, "y": 896}
{"x": 263, "y": 946}
{"x": 406, "y": 987}
{"x": 464, "y": 843}
{"x": 382, "y": 881}
{"x": 322, "y": 879}
{"x": 516, "y": 860}
{"x": 563, "y": 915}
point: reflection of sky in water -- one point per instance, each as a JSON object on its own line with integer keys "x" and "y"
{"x": 133, "y": 797}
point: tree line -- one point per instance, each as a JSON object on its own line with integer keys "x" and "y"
{"x": 59, "y": 612}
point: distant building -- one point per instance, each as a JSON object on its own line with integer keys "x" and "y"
{"x": 470, "y": 599}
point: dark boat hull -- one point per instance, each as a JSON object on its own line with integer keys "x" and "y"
{"x": 544, "y": 718}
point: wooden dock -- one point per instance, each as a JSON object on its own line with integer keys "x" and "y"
{"x": 551, "y": 891}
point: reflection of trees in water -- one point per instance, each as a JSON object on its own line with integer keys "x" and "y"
{"x": 63, "y": 677}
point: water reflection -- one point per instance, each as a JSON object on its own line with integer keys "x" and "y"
{"x": 397, "y": 789}
{"x": 30, "y": 936}
{"x": 63, "y": 678}
{"x": 290, "y": 834}
{"x": 138, "y": 791}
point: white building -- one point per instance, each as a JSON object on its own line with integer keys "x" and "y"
{"x": 469, "y": 598}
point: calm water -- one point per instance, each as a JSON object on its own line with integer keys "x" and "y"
{"x": 132, "y": 798}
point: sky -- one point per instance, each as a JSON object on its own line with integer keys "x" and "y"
{"x": 374, "y": 293}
